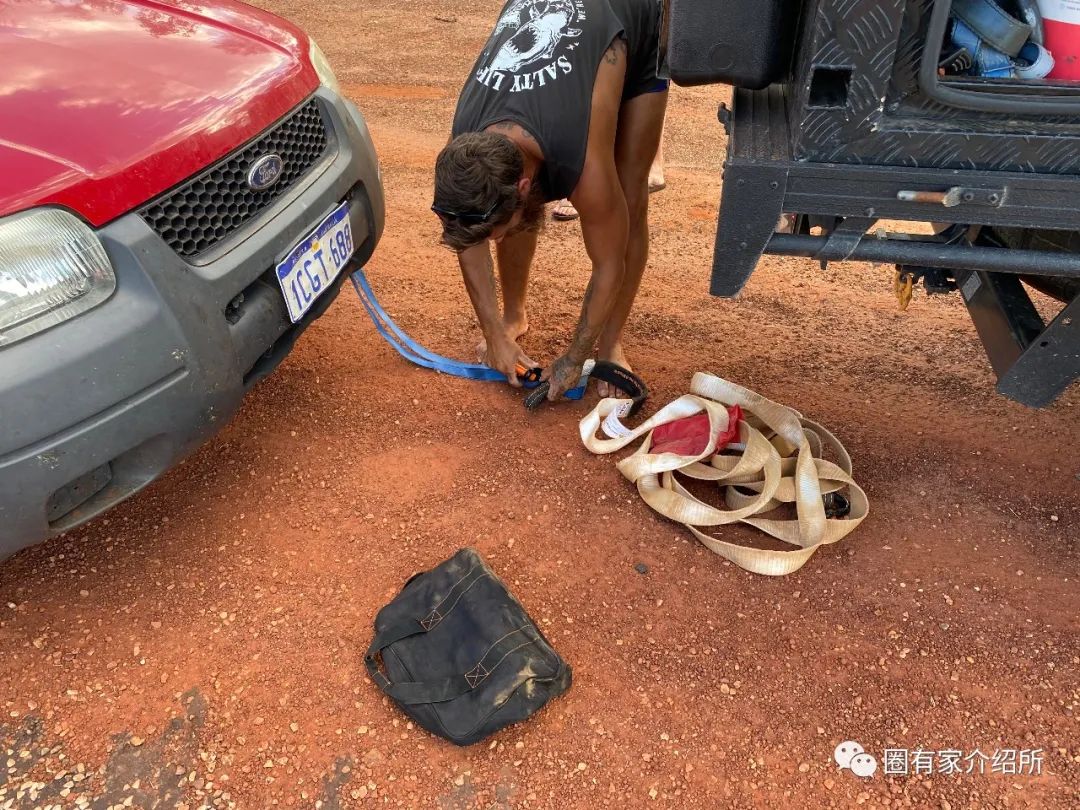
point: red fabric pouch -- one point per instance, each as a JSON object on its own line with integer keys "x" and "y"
{"x": 689, "y": 436}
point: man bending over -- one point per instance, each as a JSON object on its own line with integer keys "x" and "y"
{"x": 564, "y": 101}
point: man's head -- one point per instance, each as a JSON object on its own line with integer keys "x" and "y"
{"x": 481, "y": 191}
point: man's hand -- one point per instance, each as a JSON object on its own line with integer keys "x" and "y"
{"x": 501, "y": 352}
{"x": 505, "y": 355}
{"x": 561, "y": 376}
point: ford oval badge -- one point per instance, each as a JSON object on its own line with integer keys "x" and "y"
{"x": 265, "y": 171}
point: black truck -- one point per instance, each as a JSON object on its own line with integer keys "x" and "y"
{"x": 847, "y": 113}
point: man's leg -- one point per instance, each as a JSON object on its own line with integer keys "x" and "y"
{"x": 656, "y": 172}
{"x": 514, "y": 255}
{"x": 564, "y": 209}
{"x": 641, "y": 122}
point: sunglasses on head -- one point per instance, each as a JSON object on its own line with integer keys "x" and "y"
{"x": 467, "y": 217}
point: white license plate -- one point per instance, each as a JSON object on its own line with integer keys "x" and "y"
{"x": 309, "y": 270}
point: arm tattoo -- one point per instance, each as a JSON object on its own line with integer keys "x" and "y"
{"x": 584, "y": 337}
{"x": 611, "y": 55}
{"x": 528, "y": 135}
{"x": 510, "y": 126}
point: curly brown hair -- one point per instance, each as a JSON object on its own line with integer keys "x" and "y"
{"x": 475, "y": 173}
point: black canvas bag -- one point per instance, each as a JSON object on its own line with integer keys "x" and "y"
{"x": 460, "y": 655}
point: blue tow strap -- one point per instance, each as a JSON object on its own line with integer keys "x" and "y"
{"x": 417, "y": 354}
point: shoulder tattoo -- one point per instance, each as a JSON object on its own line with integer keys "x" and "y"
{"x": 615, "y": 51}
{"x": 510, "y": 126}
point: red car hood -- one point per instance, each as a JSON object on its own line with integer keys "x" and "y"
{"x": 104, "y": 104}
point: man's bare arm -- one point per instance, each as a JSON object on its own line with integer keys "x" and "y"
{"x": 599, "y": 200}
{"x": 605, "y": 228}
{"x": 478, "y": 271}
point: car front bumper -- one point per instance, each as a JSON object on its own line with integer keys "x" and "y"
{"x": 94, "y": 409}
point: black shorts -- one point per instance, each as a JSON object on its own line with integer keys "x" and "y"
{"x": 643, "y": 53}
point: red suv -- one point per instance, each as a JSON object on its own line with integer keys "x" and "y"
{"x": 183, "y": 189}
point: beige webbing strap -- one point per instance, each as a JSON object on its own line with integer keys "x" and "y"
{"x": 780, "y": 462}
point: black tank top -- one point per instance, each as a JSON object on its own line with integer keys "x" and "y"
{"x": 538, "y": 69}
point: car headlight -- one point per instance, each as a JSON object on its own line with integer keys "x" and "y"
{"x": 52, "y": 267}
{"x": 322, "y": 67}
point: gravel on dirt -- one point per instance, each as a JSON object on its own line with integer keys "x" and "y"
{"x": 201, "y": 645}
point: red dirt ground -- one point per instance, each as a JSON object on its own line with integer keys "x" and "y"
{"x": 201, "y": 645}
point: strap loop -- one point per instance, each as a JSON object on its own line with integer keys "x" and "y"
{"x": 622, "y": 378}
{"x": 780, "y": 462}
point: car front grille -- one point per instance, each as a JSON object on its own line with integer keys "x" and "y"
{"x": 209, "y": 207}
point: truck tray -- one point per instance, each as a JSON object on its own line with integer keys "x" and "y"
{"x": 763, "y": 181}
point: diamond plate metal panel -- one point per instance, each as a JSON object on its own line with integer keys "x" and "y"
{"x": 886, "y": 120}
